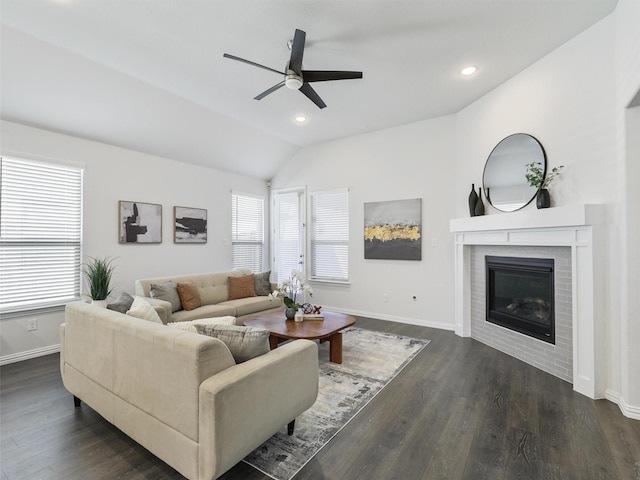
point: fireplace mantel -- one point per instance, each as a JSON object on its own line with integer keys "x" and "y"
{"x": 580, "y": 227}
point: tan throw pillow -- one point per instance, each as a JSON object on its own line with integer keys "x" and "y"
{"x": 244, "y": 343}
{"x": 140, "y": 308}
{"x": 241, "y": 287}
{"x": 189, "y": 295}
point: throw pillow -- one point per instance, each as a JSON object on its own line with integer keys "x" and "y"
{"x": 189, "y": 295}
{"x": 140, "y": 308}
{"x": 241, "y": 287}
{"x": 168, "y": 292}
{"x": 122, "y": 303}
{"x": 243, "y": 342}
{"x": 190, "y": 325}
{"x": 262, "y": 283}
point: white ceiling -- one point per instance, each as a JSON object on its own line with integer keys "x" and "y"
{"x": 150, "y": 76}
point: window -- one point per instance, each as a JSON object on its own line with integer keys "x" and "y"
{"x": 247, "y": 231}
{"x": 330, "y": 236}
{"x": 40, "y": 235}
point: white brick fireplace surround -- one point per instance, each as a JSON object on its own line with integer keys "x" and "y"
{"x": 578, "y": 227}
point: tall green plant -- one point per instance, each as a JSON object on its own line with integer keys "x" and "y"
{"x": 98, "y": 273}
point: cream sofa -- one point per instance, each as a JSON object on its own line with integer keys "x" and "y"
{"x": 214, "y": 294}
{"x": 180, "y": 394}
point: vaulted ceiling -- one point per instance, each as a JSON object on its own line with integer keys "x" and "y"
{"x": 150, "y": 75}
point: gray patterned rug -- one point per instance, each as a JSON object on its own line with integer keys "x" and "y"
{"x": 370, "y": 360}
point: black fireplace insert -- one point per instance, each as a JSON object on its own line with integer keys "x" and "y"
{"x": 520, "y": 295}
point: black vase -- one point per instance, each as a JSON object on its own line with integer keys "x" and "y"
{"x": 473, "y": 199}
{"x": 479, "y": 210}
{"x": 543, "y": 200}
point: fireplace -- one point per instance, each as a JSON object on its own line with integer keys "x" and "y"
{"x": 520, "y": 295}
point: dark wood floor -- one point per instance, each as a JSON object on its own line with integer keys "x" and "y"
{"x": 460, "y": 410}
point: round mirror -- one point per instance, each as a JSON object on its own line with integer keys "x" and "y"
{"x": 504, "y": 182}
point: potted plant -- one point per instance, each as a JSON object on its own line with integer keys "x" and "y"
{"x": 98, "y": 272}
{"x": 289, "y": 290}
{"x": 536, "y": 178}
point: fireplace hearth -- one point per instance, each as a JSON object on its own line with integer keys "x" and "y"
{"x": 520, "y": 295}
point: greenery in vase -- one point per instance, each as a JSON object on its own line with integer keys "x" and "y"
{"x": 290, "y": 288}
{"x": 535, "y": 175}
{"x": 98, "y": 272}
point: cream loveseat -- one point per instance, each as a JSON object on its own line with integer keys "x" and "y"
{"x": 214, "y": 293}
{"x": 180, "y": 394}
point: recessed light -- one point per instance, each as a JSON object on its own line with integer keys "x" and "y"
{"x": 468, "y": 71}
{"x": 300, "y": 119}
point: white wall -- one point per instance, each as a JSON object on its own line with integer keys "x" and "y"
{"x": 412, "y": 161}
{"x": 113, "y": 174}
{"x": 628, "y": 88}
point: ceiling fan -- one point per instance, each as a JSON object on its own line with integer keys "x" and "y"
{"x": 295, "y": 77}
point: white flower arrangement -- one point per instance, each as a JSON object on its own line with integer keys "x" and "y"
{"x": 290, "y": 288}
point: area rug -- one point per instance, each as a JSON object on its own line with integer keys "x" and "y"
{"x": 370, "y": 360}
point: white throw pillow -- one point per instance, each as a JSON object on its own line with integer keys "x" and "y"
{"x": 190, "y": 326}
{"x": 140, "y": 308}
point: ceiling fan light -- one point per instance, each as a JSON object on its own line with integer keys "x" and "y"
{"x": 294, "y": 82}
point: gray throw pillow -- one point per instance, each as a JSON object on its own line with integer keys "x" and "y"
{"x": 243, "y": 342}
{"x": 168, "y": 292}
{"x": 122, "y": 303}
{"x": 262, "y": 284}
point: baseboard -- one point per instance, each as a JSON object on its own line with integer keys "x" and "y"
{"x": 627, "y": 410}
{"x": 38, "y": 352}
{"x": 392, "y": 318}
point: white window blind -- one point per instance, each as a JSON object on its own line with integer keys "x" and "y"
{"x": 330, "y": 236}
{"x": 288, "y": 233}
{"x": 40, "y": 235}
{"x": 247, "y": 231}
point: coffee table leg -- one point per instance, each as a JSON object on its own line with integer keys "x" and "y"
{"x": 335, "y": 348}
{"x": 273, "y": 342}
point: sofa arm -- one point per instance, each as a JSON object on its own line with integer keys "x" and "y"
{"x": 244, "y": 405}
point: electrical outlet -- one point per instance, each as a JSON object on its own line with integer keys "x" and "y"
{"x": 32, "y": 324}
{"x": 386, "y": 298}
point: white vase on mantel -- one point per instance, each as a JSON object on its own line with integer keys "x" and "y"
{"x": 99, "y": 303}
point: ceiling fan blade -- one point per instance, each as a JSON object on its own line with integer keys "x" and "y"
{"x": 297, "y": 51}
{"x": 327, "y": 75}
{"x": 269, "y": 91}
{"x": 312, "y": 95}
{"x": 233, "y": 57}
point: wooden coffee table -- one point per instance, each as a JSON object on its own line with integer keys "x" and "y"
{"x": 327, "y": 330}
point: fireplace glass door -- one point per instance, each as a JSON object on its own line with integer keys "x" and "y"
{"x": 520, "y": 295}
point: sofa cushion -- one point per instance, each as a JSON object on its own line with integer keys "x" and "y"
{"x": 190, "y": 325}
{"x": 262, "y": 284}
{"x": 246, "y": 306}
{"x": 140, "y": 308}
{"x": 244, "y": 343}
{"x": 241, "y": 287}
{"x": 205, "y": 311}
{"x": 168, "y": 292}
{"x": 122, "y": 303}
{"x": 189, "y": 295}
